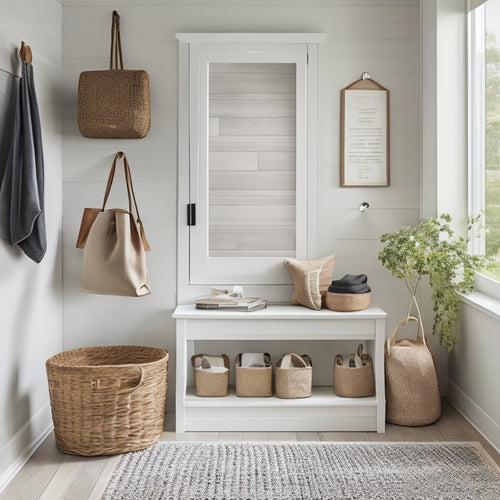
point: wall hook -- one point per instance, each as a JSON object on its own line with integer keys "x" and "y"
{"x": 363, "y": 206}
{"x": 365, "y": 76}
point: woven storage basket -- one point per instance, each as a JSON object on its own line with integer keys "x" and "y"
{"x": 296, "y": 381}
{"x": 346, "y": 302}
{"x": 254, "y": 382}
{"x": 107, "y": 399}
{"x": 211, "y": 384}
{"x": 412, "y": 391}
{"x": 114, "y": 103}
{"x": 352, "y": 382}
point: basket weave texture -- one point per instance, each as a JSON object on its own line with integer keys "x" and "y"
{"x": 211, "y": 384}
{"x": 107, "y": 399}
{"x": 411, "y": 384}
{"x": 255, "y": 382}
{"x": 296, "y": 381}
{"x": 352, "y": 382}
{"x": 114, "y": 104}
{"x": 346, "y": 302}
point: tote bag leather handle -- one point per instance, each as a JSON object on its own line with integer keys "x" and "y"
{"x": 132, "y": 203}
{"x": 116, "y": 59}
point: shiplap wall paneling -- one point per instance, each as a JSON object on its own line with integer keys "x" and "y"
{"x": 254, "y": 105}
{"x": 381, "y": 37}
{"x": 30, "y": 293}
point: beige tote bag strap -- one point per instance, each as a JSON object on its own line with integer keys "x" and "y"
{"x": 110, "y": 183}
{"x": 128, "y": 180}
{"x": 131, "y": 197}
{"x": 116, "y": 59}
{"x": 130, "y": 194}
{"x": 420, "y": 336}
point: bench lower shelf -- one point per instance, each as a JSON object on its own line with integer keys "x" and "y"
{"x": 323, "y": 411}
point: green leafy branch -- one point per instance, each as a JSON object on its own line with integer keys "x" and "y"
{"x": 431, "y": 249}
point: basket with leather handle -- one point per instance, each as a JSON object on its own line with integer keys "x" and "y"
{"x": 412, "y": 391}
{"x": 353, "y": 381}
{"x": 114, "y": 103}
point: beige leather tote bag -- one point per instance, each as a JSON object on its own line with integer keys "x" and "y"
{"x": 114, "y": 259}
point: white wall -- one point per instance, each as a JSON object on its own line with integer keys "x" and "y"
{"x": 443, "y": 128}
{"x": 31, "y": 294}
{"x": 474, "y": 368}
{"x": 381, "y": 37}
{"x": 473, "y": 365}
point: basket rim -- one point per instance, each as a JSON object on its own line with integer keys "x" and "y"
{"x": 54, "y": 361}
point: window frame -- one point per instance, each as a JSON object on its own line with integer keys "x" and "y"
{"x": 476, "y": 134}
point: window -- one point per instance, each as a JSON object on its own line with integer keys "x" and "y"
{"x": 484, "y": 132}
{"x": 247, "y": 158}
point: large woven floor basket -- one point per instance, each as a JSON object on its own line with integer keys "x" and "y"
{"x": 107, "y": 399}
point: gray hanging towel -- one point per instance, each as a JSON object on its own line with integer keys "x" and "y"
{"x": 22, "y": 186}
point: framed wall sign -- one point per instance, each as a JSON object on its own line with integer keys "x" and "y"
{"x": 365, "y": 134}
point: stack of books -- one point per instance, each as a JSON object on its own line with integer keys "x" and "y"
{"x": 229, "y": 301}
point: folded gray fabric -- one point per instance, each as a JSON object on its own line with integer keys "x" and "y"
{"x": 22, "y": 185}
{"x": 362, "y": 288}
{"x": 351, "y": 279}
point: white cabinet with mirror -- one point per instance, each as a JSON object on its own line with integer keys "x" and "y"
{"x": 247, "y": 159}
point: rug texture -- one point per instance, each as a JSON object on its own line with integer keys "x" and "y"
{"x": 305, "y": 470}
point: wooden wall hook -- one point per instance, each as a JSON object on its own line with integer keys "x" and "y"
{"x": 25, "y": 53}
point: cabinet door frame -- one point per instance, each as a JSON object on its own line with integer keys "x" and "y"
{"x": 197, "y": 272}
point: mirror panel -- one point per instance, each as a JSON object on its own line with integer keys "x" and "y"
{"x": 252, "y": 160}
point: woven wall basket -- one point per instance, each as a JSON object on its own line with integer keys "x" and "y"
{"x": 114, "y": 103}
{"x": 412, "y": 391}
{"x": 107, "y": 399}
{"x": 210, "y": 384}
{"x": 295, "y": 381}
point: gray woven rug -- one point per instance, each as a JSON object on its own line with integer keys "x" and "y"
{"x": 305, "y": 470}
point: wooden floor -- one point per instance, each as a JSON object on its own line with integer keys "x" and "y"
{"x": 52, "y": 475}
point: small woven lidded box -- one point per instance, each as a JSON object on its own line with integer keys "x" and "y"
{"x": 211, "y": 374}
{"x": 254, "y": 381}
{"x": 353, "y": 377}
{"x": 293, "y": 376}
{"x": 107, "y": 399}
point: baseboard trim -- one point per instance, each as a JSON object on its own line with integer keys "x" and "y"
{"x": 476, "y": 416}
{"x": 40, "y": 426}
